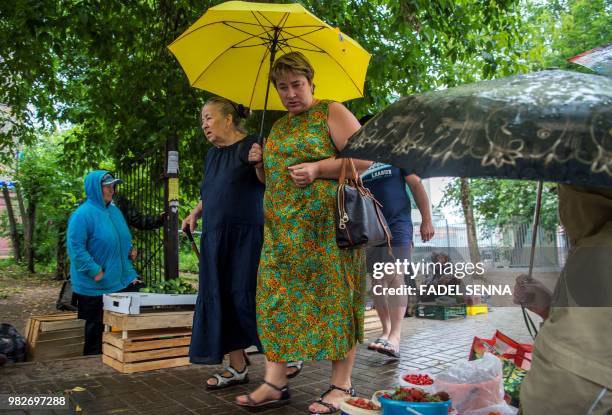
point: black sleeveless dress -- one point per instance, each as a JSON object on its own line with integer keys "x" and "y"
{"x": 232, "y": 236}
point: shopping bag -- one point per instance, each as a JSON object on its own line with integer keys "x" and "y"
{"x": 504, "y": 347}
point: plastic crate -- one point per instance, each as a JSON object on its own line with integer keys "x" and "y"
{"x": 440, "y": 312}
{"x": 472, "y": 310}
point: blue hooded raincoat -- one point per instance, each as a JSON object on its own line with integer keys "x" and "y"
{"x": 99, "y": 239}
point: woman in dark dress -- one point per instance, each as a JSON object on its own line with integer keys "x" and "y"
{"x": 231, "y": 209}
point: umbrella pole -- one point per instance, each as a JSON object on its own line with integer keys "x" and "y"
{"x": 536, "y": 221}
{"x": 531, "y": 327}
{"x": 272, "y": 56}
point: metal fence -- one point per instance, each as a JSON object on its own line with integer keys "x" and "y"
{"x": 499, "y": 247}
{"x": 143, "y": 188}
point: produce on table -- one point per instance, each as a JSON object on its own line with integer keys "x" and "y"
{"x": 418, "y": 379}
{"x": 416, "y": 395}
{"x": 176, "y": 286}
{"x": 363, "y": 404}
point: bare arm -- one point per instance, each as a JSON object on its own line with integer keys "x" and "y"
{"x": 422, "y": 202}
{"x": 342, "y": 125}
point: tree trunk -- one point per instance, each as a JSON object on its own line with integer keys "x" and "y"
{"x": 12, "y": 223}
{"x": 22, "y": 212}
{"x": 29, "y": 236}
{"x": 61, "y": 269}
{"x": 466, "y": 204}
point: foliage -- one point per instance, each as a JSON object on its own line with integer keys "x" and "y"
{"x": 500, "y": 202}
{"x": 176, "y": 286}
{"x": 562, "y": 29}
{"x": 104, "y": 67}
{"x": 54, "y": 190}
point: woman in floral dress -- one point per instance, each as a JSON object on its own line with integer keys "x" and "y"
{"x": 309, "y": 292}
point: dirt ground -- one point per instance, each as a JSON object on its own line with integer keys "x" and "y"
{"x": 22, "y": 296}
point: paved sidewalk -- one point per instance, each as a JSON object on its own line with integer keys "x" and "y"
{"x": 426, "y": 345}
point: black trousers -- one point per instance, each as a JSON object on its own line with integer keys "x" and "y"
{"x": 91, "y": 309}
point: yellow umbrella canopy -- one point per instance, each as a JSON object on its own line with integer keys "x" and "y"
{"x": 229, "y": 51}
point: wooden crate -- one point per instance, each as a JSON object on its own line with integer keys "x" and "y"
{"x": 371, "y": 322}
{"x": 146, "y": 350}
{"x": 147, "y": 321}
{"x": 147, "y": 341}
{"x": 54, "y": 336}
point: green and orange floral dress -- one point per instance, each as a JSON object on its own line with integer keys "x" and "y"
{"x": 309, "y": 292}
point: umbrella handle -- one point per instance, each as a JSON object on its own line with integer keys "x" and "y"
{"x": 193, "y": 244}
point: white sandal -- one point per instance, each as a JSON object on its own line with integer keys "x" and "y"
{"x": 237, "y": 378}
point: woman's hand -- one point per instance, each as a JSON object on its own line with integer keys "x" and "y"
{"x": 533, "y": 295}
{"x": 190, "y": 221}
{"x": 99, "y": 276}
{"x": 303, "y": 174}
{"x": 256, "y": 155}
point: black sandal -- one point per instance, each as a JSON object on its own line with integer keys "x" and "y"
{"x": 298, "y": 365}
{"x": 380, "y": 341}
{"x": 388, "y": 349}
{"x": 332, "y": 409}
{"x": 270, "y": 403}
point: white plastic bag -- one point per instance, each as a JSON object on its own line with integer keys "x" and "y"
{"x": 473, "y": 385}
{"x": 501, "y": 409}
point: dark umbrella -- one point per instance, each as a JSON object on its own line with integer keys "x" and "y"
{"x": 547, "y": 126}
{"x": 550, "y": 125}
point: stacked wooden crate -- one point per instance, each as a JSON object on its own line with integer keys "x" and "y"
{"x": 54, "y": 336}
{"x": 371, "y": 322}
{"x": 152, "y": 339}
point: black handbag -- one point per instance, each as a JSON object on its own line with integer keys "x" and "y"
{"x": 359, "y": 219}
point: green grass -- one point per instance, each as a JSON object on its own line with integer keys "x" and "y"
{"x": 188, "y": 262}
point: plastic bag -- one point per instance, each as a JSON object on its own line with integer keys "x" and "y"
{"x": 501, "y": 409}
{"x": 12, "y": 343}
{"x": 473, "y": 385}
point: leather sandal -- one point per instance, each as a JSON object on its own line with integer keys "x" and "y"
{"x": 297, "y": 365}
{"x": 236, "y": 378}
{"x": 268, "y": 403}
{"x": 332, "y": 409}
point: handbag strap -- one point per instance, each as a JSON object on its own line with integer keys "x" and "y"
{"x": 348, "y": 162}
{"x": 356, "y": 179}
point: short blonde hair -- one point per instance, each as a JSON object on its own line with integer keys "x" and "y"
{"x": 294, "y": 62}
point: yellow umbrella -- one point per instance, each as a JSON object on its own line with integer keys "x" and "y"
{"x": 230, "y": 49}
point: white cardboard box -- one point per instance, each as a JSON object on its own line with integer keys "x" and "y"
{"x": 130, "y": 303}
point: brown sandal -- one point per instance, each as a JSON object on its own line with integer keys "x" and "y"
{"x": 269, "y": 403}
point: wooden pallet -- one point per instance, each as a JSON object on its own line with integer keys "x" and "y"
{"x": 54, "y": 336}
{"x": 371, "y": 322}
{"x": 146, "y": 349}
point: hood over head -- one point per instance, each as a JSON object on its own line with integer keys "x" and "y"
{"x": 93, "y": 187}
{"x": 586, "y": 212}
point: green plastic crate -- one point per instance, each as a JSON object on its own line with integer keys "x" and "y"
{"x": 435, "y": 311}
